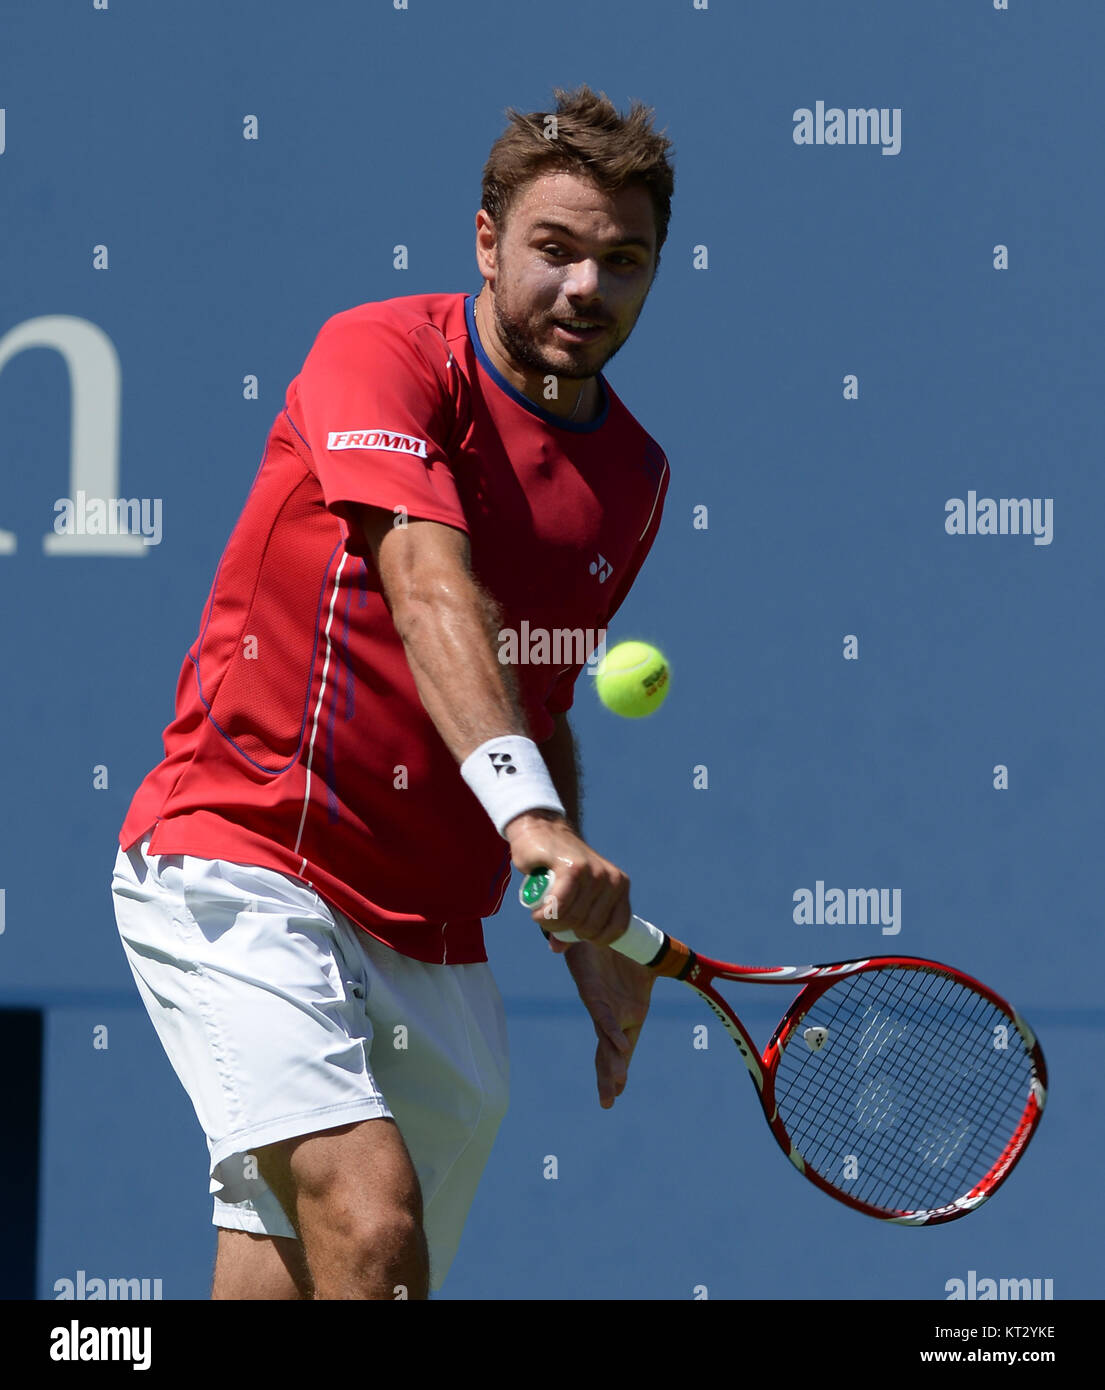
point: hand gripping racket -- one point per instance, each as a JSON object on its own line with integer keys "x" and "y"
{"x": 902, "y": 1087}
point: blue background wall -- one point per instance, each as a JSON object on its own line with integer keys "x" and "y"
{"x": 123, "y": 129}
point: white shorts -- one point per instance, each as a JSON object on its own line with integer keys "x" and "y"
{"x": 281, "y": 1018}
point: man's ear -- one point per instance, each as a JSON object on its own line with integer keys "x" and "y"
{"x": 487, "y": 245}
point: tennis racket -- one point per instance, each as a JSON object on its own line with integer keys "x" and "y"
{"x": 901, "y": 1087}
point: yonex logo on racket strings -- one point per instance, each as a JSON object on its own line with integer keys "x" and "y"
{"x": 502, "y": 763}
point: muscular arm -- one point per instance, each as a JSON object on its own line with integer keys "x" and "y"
{"x": 449, "y": 628}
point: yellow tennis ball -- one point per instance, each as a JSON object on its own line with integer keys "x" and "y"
{"x": 632, "y": 679}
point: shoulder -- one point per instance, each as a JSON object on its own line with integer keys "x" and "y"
{"x": 630, "y": 438}
{"x": 407, "y": 315}
{"x": 414, "y": 330}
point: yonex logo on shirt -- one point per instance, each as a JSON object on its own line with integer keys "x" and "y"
{"x": 376, "y": 439}
{"x": 502, "y": 762}
{"x": 602, "y": 567}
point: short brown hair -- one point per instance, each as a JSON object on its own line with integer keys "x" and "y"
{"x": 593, "y": 141}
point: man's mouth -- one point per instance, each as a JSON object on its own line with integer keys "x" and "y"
{"x": 579, "y": 330}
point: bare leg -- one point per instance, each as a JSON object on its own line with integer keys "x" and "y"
{"x": 353, "y": 1195}
{"x": 250, "y": 1266}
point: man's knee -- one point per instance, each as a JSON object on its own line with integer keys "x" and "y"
{"x": 390, "y": 1238}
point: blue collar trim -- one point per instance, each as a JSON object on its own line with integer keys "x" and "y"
{"x": 557, "y": 421}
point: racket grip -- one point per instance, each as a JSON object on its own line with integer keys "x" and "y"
{"x": 640, "y": 941}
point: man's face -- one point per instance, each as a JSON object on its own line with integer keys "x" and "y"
{"x": 568, "y": 251}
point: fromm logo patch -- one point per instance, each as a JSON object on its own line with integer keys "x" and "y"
{"x": 376, "y": 439}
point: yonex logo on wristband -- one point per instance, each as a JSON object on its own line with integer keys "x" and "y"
{"x": 510, "y": 783}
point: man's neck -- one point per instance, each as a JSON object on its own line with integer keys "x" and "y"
{"x": 576, "y": 402}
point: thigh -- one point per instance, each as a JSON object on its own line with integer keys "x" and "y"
{"x": 249, "y": 1266}
{"x": 352, "y": 1195}
{"x": 248, "y": 982}
{"x": 362, "y": 1171}
{"x": 439, "y": 1054}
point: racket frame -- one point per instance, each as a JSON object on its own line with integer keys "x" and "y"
{"x": 699, "y": 973}
{"x": 665, "y": 955}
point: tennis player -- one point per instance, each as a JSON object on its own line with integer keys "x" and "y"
{"x": 353, "y": 768}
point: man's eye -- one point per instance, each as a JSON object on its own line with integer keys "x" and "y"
{"x": 623, "y": 261}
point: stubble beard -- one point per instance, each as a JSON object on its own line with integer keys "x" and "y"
{"x": 516, "y": 338}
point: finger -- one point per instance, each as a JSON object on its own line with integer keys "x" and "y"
{"x": 560, "y": 901}
{"x": 580, "y": 911}
{"x": 631, "y": 1035}
{"x": 610, "y": 1069}
{"x": 610, "y": 914}
{"x": 606, "y": 1026}
{"x": 596, "y": 905}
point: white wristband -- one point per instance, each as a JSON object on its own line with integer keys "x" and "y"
{"x": 509, "y": 777}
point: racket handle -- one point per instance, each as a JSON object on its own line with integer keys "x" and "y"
{"x": 640, "y": 941}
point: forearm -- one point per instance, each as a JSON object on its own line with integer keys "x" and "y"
{"x": 449, "y": 626}
{"x": 449, "y": 636}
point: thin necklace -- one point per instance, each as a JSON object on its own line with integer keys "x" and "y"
{"x": 583, "y": 387}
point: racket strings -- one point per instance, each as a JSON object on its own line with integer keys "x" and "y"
{"x": 914, "y": 1094}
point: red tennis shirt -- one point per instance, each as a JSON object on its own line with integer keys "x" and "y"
{"x": 299, "y": 741}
